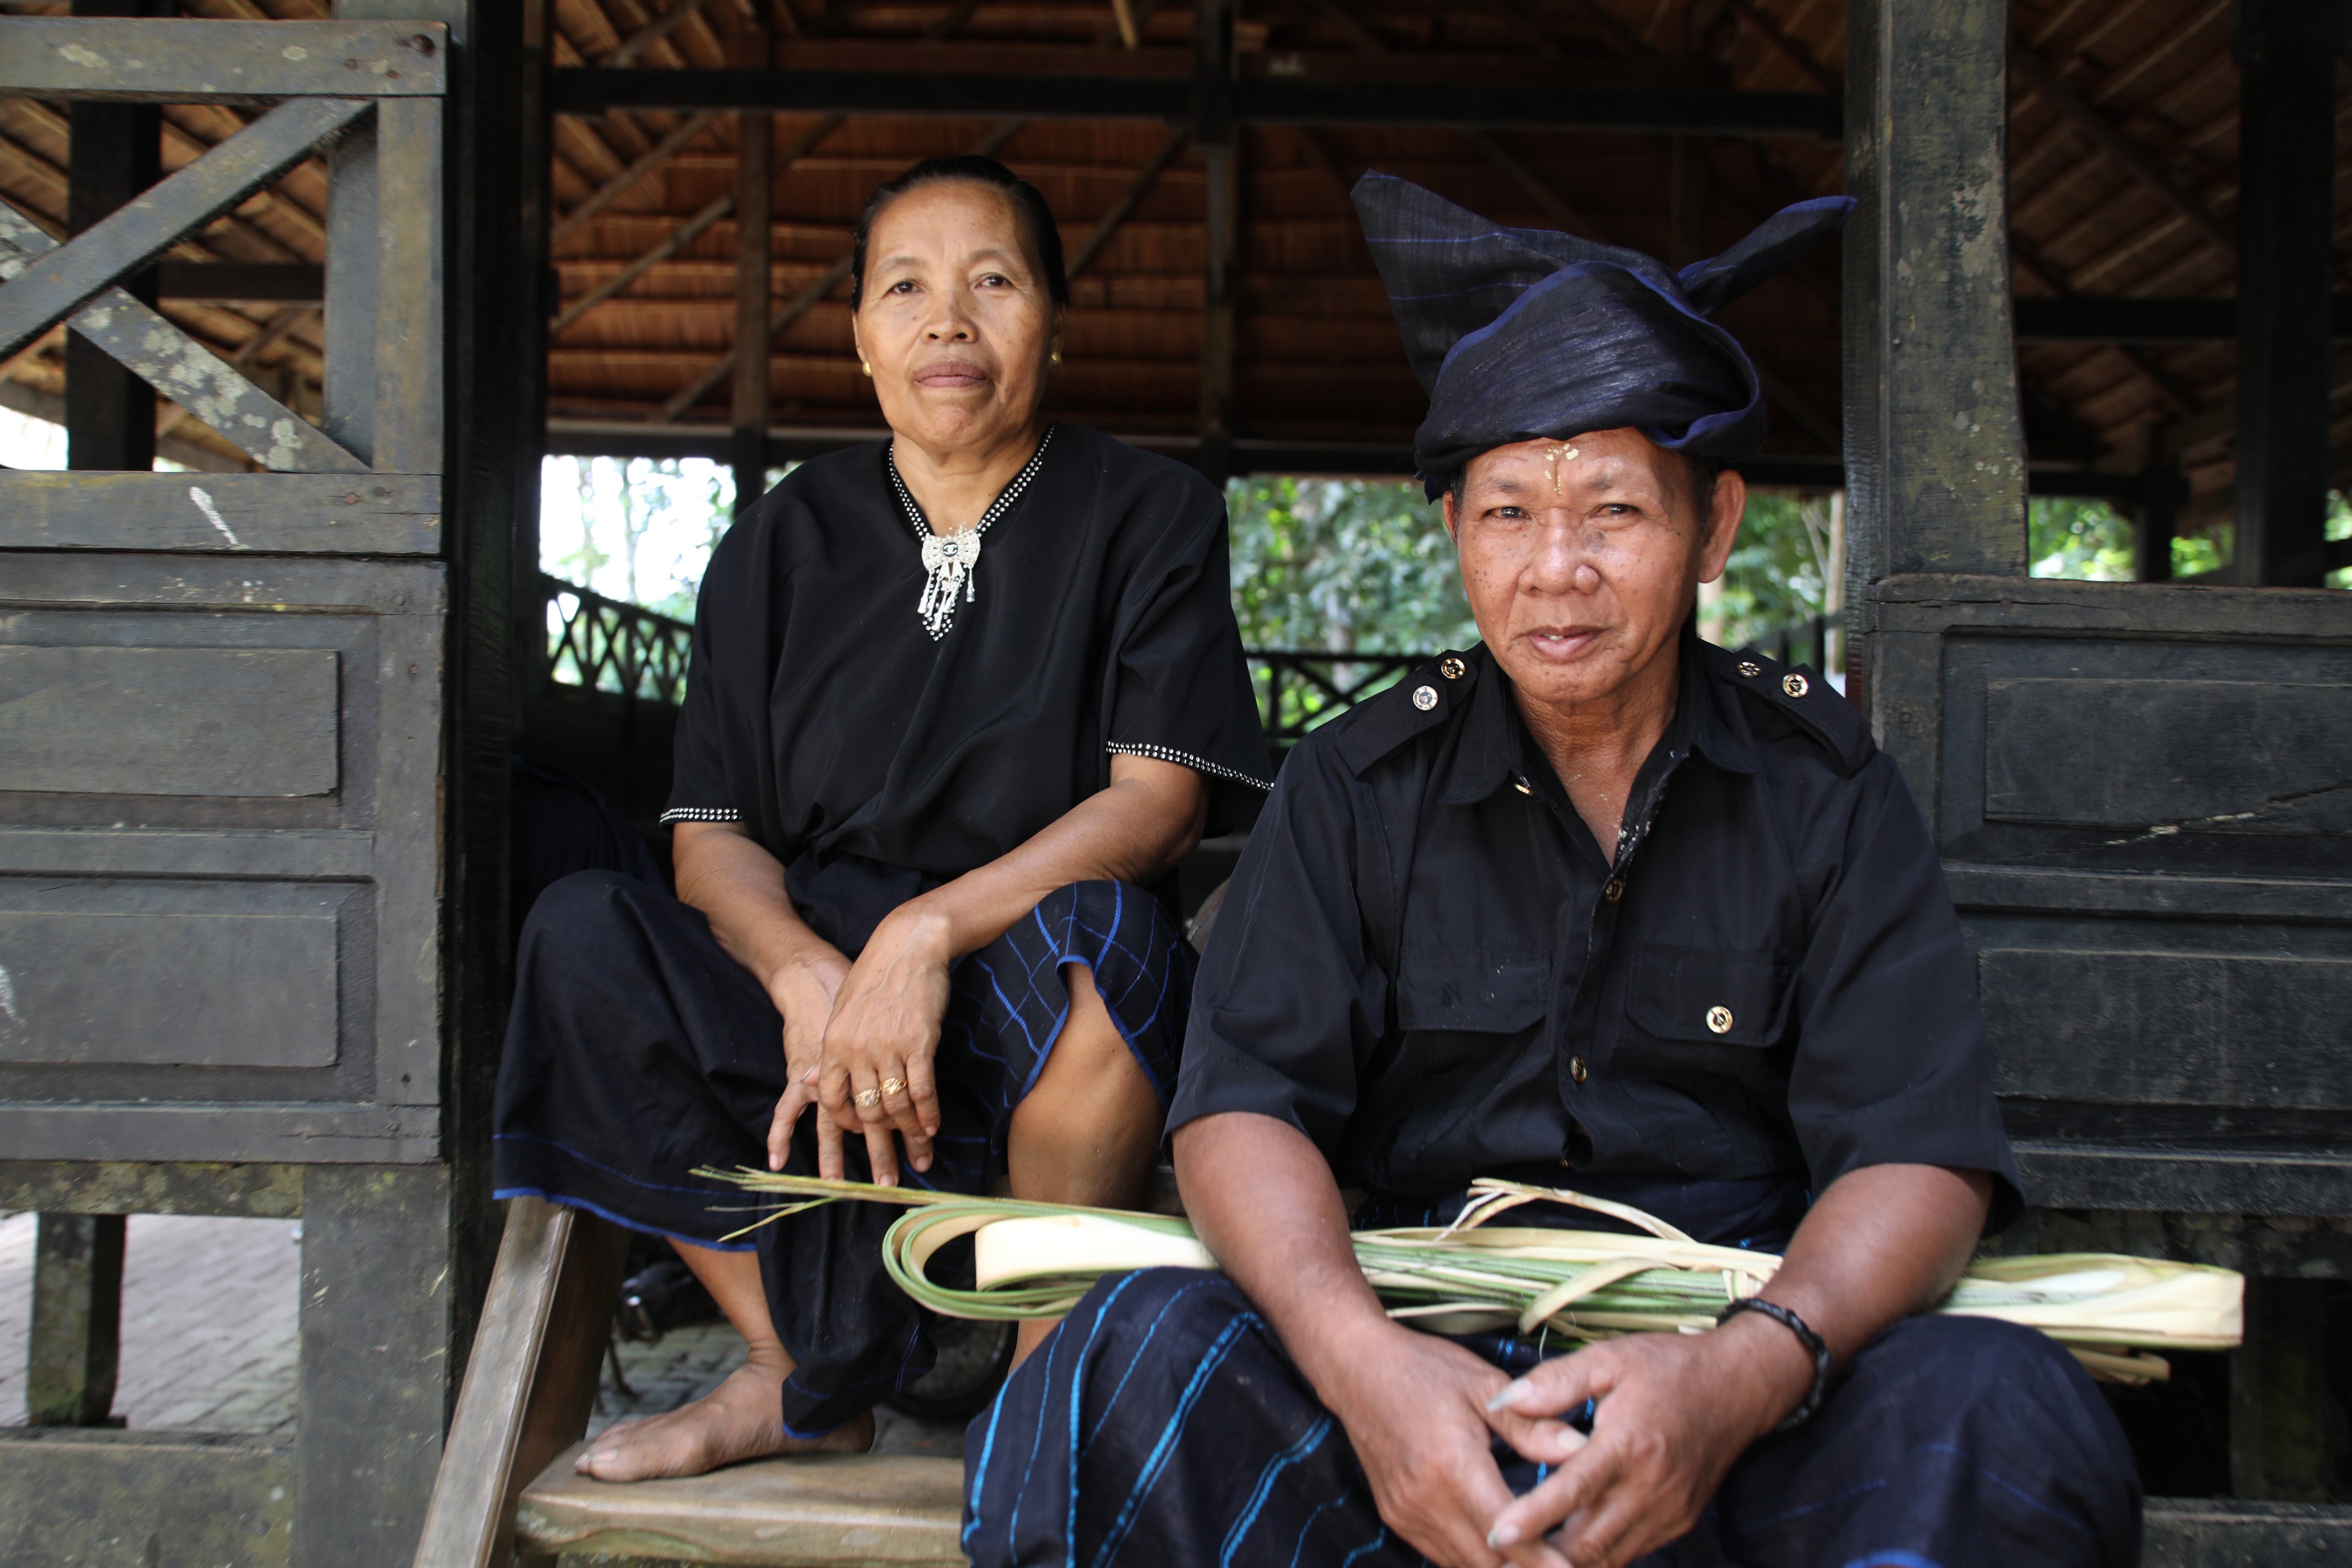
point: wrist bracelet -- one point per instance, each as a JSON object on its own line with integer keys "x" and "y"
{"x": 1815, "y": 1347}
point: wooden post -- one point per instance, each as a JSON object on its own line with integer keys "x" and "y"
{"x": 116, "y": 152}
{"x": 2283, "y": 1425}
{"x": 2286, "y": 157}
{"x": 2157, "y": 518}
{"x": 77, "y": 1342}
{"x": 1935, "y": 447}
{"x": 1216, "y": 138}
{"x": 754, "y": 179}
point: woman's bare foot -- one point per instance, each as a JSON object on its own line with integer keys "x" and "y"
{"x": 740, "y": 1419}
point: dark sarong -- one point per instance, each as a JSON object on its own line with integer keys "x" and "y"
{"x": 1162, "y": 1426}
{"x": 638, "y": 1050}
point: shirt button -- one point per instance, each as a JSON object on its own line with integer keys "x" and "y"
{"x": 1576, "y": 1069}
{"x": 1424, "y": 698}
{"x": 1521, "y": 785}
{"x": 1614, "y": 891}
{"x": 1718, "y": 1019}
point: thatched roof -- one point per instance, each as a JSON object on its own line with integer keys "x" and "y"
{"x": 2123, "y": 184}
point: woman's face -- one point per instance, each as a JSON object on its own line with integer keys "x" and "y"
{"x": 956, "y": 318}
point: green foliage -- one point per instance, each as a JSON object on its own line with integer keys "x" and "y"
{"x": 1346, "y": 566}
{"x": 1778, "y": 572}
{"x": 2067, "y": 536}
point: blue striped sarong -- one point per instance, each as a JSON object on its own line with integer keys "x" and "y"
{"x": 637, "y": 1051}
{"x": 1162, "y": 1426}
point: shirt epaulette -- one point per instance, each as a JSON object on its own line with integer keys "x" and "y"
{"x": 1424, "y": 700}
{"x": 1804, "y": 696}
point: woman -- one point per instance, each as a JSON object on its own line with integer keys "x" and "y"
{"x": 957, "y": 699}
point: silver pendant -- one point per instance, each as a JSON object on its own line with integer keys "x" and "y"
{"x": 948, "y": 561}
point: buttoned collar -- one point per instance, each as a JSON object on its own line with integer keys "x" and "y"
{"x": 1493, "y": 738}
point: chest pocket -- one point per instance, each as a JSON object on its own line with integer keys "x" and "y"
{"x": 1473, "y": 990}
{"x": 1708, "y": 996}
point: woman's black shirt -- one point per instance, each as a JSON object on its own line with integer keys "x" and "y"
{"x": 821, "y": 714}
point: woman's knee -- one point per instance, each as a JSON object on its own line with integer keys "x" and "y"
{"x": 584, "y": 902}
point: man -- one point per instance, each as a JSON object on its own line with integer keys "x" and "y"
{"x": 1596, "y": 906}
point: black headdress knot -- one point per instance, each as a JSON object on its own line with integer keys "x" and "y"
{"x": 1521, "y": 334}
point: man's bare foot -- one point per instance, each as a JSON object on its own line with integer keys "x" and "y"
{"x": 742, "y": 1418}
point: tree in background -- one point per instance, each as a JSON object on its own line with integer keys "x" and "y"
{"x": 1344, "y": 566}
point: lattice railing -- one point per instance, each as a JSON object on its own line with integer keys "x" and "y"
{"x": 1296, "y": 690}
{"x": 605, "y": 645}
{"x": 608, "y": 645}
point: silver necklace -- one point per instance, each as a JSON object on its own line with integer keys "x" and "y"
{"x": 949, "y": 561}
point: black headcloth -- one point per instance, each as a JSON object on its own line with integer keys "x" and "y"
{"x": 1520, "y": 333}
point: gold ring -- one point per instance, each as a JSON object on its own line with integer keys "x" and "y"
{"x": 869, "y": 1097}
{"x": 891, "y": 1086}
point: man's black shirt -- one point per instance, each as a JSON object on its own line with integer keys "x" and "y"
{"x": 1427, "y": 965}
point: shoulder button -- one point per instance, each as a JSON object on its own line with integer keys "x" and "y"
{"x": 1794, "y": 684}
{"x": 1424, "y": 698}
{"x": 1750, "y": 667}
{"x": 1452, "y": 668}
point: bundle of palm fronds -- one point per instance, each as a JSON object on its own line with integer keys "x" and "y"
{"x": 1035, "y": 1261}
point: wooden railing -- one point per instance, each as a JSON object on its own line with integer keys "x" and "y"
{"x": 608, "y": 644}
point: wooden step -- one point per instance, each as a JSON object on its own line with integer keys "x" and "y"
{"x": 826, "y": 1510}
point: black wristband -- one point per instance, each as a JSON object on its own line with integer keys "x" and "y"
{"x": 1815, "y": 1347}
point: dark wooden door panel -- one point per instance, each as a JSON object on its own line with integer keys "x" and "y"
{"x": 185, "y": 722}
{"x": 118, "y": 972}
{"x": 218, "y": 915}
{"x": 2143, "y": 798}
{"x": 2239, "y": 756}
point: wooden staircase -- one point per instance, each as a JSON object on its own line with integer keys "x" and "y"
{"x": 506, "y": 1492}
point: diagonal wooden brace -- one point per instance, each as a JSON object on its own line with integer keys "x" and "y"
{"x": 184, "y": 369}
{"x": 70, "y": 276}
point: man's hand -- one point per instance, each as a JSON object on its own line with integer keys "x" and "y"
{"x": 1415, "y": 1410}
{"x": 1675, "y": 1411}
{"x": 803, "y": 989}
{"x": 882, "y": 1043}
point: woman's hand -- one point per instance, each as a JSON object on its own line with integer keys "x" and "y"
{"x": 803, "y": 989}
{"x": 881, "y": 1044}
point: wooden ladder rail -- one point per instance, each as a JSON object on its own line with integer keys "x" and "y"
{"x": 530, "y": 1383}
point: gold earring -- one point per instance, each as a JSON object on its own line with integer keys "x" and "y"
{"x": 1057, "y": 357}
{"x": 868, "y": 368}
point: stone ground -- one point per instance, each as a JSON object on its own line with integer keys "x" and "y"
{"x": 209, "y": 1336}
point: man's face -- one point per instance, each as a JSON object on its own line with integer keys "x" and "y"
{"x": 1580, "y": 557}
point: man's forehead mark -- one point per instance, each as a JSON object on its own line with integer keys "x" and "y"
{"x": 1554, "y": 453}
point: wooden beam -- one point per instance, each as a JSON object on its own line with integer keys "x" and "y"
{"x": 1791, "y": 48}
{"x": 76, "y": 1350}
{"x": 258, "y": 282}
{"x": 1216, "y": 139}
{"x": 2043, "y": 77}
{"x": 619, "y": 184}
{"x": 2085, "y": 319}
{"x": 1256, "y": 100}
{"x": 2286, "y": 151}
{"x": 754, "y": 184}
{"x": 662, "y": 250}
{"x": 1935, "y": 445}
{"x": 114, "y": 155}
{"x": 686, "y": 233}
{"x": 93, "y": 261}
{"x": 184, "y": 60}
{"x": 634, "y": 46}
{"x": 1132, "y": 197}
